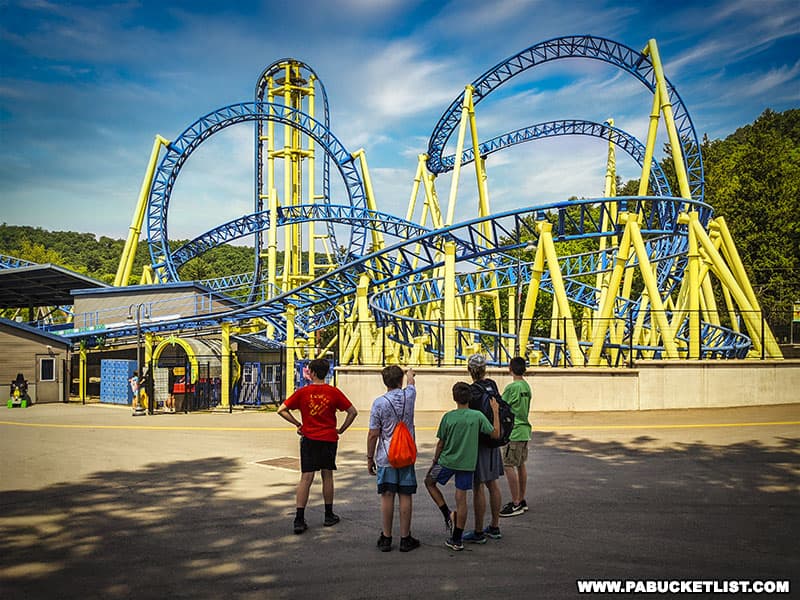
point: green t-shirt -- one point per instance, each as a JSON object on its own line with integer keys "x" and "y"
{"x": 458, "y": 431}
{"x": 518, "y": 396}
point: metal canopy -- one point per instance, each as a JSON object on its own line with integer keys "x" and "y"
{"x": 41, "y": 285}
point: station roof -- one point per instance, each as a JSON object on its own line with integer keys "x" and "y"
{"x": 42, "y": 285}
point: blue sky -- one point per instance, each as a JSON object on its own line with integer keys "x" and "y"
{"x": 85, "y": 86}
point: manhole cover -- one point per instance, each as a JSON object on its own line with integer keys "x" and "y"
{"x": 282, "y": 462}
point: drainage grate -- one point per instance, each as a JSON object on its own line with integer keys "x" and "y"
{"x": 282, "y": 462}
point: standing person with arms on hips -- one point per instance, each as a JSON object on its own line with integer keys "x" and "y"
{"x": 490, "y": 460}
{"x": 396, "y": 405}
{"x": 515, "y": 453}
{"x": 317, "y": 403}
{"x": 455, "y": 456}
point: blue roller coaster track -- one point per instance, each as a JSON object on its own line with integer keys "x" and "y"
{"x": 415, "y": 251}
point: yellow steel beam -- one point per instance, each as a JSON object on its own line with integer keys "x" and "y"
{"x": 669, "y": 120}
{"x": 131, "y": 244}
{"x": 559, "y": 292}
{"x": 449, "y": 301}
{"x": 650, "y": 145}
{"x": 290, "y": 342}
{"x": 462, "y": 130}
{"x": 225, "y": 378}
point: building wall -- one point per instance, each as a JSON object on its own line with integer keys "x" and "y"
{"x": 21, "y": 352}
{"x": 651, "y": 385}
{"x": 108, "y": 309}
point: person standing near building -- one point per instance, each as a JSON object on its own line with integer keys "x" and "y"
{"x": 134, "y": 383}
{"x": 490, "y": 460}
{"x": 396, "y": 405}
{"x": 515, "y": 453}
{"x": 318, "y": 403}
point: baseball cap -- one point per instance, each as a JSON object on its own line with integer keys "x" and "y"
{"x": 476, "y": 361}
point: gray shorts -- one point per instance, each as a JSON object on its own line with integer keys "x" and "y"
{"x": 490, "y": 464}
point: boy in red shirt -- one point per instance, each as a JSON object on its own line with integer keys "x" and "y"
{"x": 317, "y": 403}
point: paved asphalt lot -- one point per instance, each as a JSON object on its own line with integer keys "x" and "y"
{"x": 95, "y": 503}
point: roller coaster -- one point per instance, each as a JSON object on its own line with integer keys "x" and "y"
{"x": 656, "y": 275}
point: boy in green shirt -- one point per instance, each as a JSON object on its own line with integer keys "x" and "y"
{"x": 518, "y": 396}
{"x": 456, "y": 455}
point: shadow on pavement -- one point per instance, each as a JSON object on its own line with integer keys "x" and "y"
{"x": 598, "y": 510}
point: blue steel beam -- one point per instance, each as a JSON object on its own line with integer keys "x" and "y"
{"x": 181, "y": 148}
{"x": 583, "y": 46}
{"x": 623, "y": 140}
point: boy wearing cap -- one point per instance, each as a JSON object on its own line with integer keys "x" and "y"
{"x": 490, "y": 460}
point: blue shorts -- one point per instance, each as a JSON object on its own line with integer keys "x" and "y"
{"x": 397, "y": 481}
{"x": 442, "y": 475}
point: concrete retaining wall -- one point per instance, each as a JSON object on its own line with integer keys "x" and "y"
{"x": 651, "y": 385}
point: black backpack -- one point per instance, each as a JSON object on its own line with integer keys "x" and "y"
{"x": 482, "y": 392}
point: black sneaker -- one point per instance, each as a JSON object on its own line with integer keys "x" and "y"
{"x": 511, "y": 510}
{"x": 458, "y": 546}
{"x": 493, "y": 532}
{"x": 299, "y": 526}
{"x": 407, "y": 544}
{"x": 330, "y": 520}
{"x": 385, "y": 543}
{"x": 474, "y": 537}
{"x": 524, "y": 505}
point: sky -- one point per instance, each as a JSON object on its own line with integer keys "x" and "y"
{"x": 85, "y": 87}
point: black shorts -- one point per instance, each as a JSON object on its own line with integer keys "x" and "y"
{"x": 316, "y": 455}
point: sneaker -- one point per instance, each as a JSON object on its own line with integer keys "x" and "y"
{"x": 300, "y": 526}
{"x": 385, "y": 543}
{"x": 524, "y": 505}
{"x": 407, "y": 544}
{"x": 493, "y": 532}
{"x": 453, "y": 545}
{"x": 474, "y": 537}
{"x": 511, "y": 510}
{"x": 330, "y": 520}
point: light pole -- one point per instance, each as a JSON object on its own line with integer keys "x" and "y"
{"x": 138, "y": 312}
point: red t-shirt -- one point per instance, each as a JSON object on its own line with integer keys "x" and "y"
{"x": 318, "y": 404}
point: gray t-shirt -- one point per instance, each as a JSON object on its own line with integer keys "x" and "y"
{"x": 384, "y": 418}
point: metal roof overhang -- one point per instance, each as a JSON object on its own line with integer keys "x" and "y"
{"x": 41, "y": 285}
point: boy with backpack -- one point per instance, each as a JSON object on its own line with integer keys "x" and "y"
{"x": 518, "y": 396}
{"x": 489, "y": 467}
{"x": 456, "y": 455}
{"x": 391, "y": 409}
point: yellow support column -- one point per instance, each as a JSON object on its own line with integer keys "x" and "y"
{"x": 449, "y": 303}
{"x": 131, "y": 244}
{"x": 650, "y": 145}
{"x": 225, "y": 383}
{"x": 82, "y": 381}
{"x": 751, "y": 313}
{"x": 669, "y": 120}
{"x": 658, "y": 311}
{"x": 365, "y": 321}
{"x": 290, "y": 315}
{"x": 606, "y": 310}
{"x": 526, "y": 322}
{"x": 462, "y": 130}
{"x": 560, "y": 293}
{"x": 694, "y": 287}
